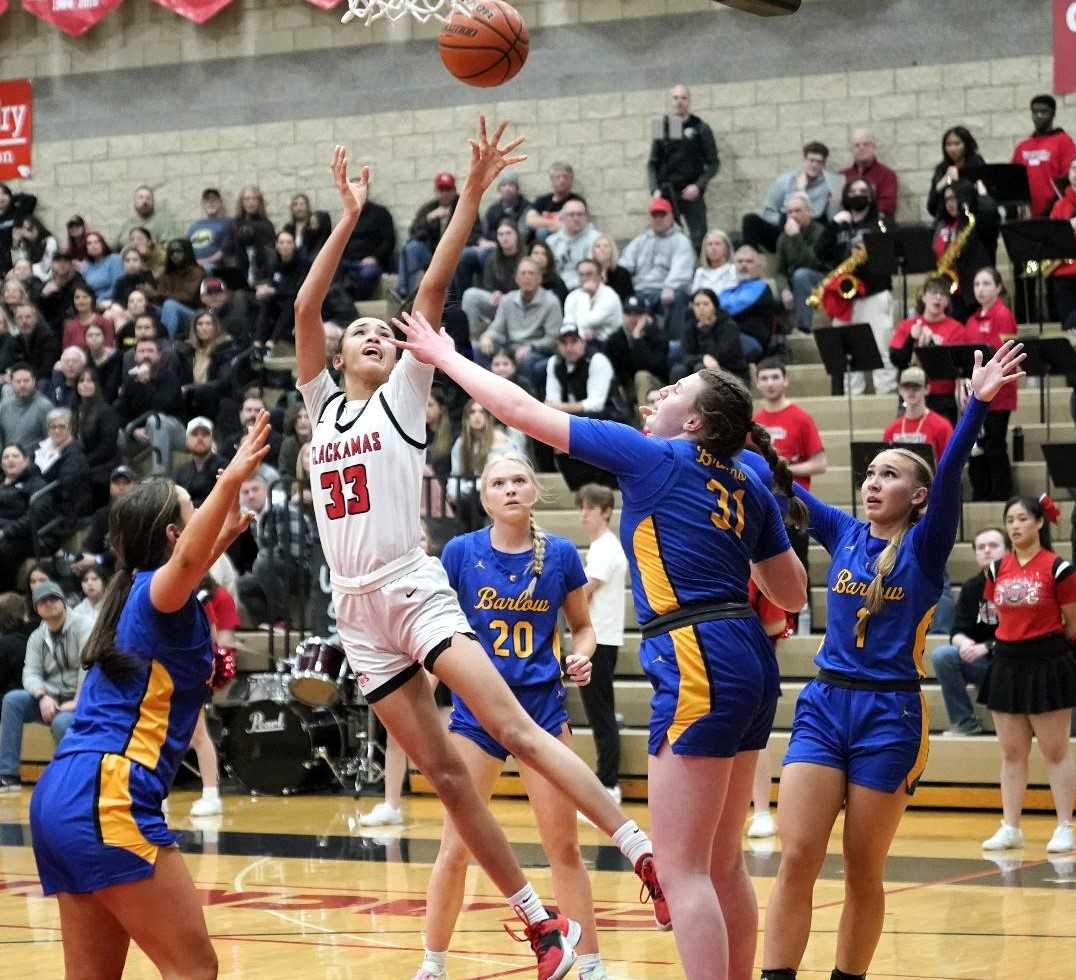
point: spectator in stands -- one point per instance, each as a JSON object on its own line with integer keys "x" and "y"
{"x": 594, "y": 308}
{"x": 547, "y": 265}
{"x": 102, "y": 266}
{"x": 252, "y": 404}
{"x": 639, "y": 352}
{"x": 32, "y": 241}
{"x": 22, "y": 480}
{"x": 49, "y": 680}
{"x": 716, "y": 270}
{"x": 751, "y": 304}
{"x": 275, "y": 298}
{"x": 75, "y": 241}
{"x": 23, "y": 274}
{"x": 13, "y": 294}
{"x": 930, "y": 328}
{"x": 96, "y": 549}
{"x": 511, "y": 205}
{"x": 711, "y": 340}
{"x": 979, "y": 249}
{"x": 959, "y": 150}
{"x": 96, "y": 426}
{"x": 480, "y": 439}
{"x": 857, "y": 217}
{"x": 799, "y": 267}
{"x": 820, "y": 185}
{"x": 792, "y": 431}
{"x": 1030, "y": 685}
{"x": 85, "y": 304}
{"x": 498, "y": 278}
{"x": 60, "y": 388}
{"x": 502, "y": 365}
{"x": 146, "y": 326}
{"x": 93, "y": 595}
{"x": 527, "y": 322}
{"x": 151, "y": 400}
{"x": 334, "y": 333}
{"x": 297, "y": 433}
{"x": 152, "y": 253}
{"x": 179, "y": 286}
{"x": 310, "y": 228}
{"x": 207, "y": 361}
{"x": 614, "y": 275}
{"x": 543, "y": 217}
{"x": 1063, "y": 281}
{"x": 865, "y": 164}
{"x": 61, "y": 458}
{"x": 123, "y": 320}
{"x": 1046, "y": 154}
{"x": 23, "y": 415}
{"x": 573, "y": 240}
{"x": 15, "y": 630}
{"x": 439, "y": 436}
{"x": 34, "y": 343}
{"x": 990, "y": 471}
{"x": 254, "y": 235}
{"x": 682, "y": 163}
{"x": 918, "y": 424}
{"x": 369, "y": 251}
{"x": 966, "y": 658}
{"x": 232, "y": 309}
{"x": 56, "y": 301}
{"x": 213, "y": 235}
{"x": 429, "y": 225}
{"x": 661, "y": 262}
{"x": 145, "y": 215}
{"x": 198, "y": 475}
{"x": 14, "y": 209}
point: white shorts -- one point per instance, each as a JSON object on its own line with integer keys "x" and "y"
{"x": 388, "y": 632}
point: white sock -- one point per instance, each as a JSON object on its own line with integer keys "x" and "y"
{"x": 528, "y": 906}
{"x": 433, "y": 961}
{"x": 587, "y": 962}
{"x": 633, "y": 843}
{"x": 210, "y": 793}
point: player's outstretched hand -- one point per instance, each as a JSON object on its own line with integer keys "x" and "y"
{"x": 488, "y": 157}
{"x": 428, "y": 345}
{"x": 578, "y": 668}
{"x": 353, "y": 193}
{"x": 1002, "y": 369}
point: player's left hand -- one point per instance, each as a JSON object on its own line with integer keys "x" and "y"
{"x": 1002, "y": 369}
{"x": 578, "y": 668}
{"x": 428, "y": 345}
{"x": 488, "y": 158}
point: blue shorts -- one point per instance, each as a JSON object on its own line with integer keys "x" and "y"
{"x": 716, "y": 686}
{"x": 544, "y": 703}
{"x": 96, "y": 821}
{"x": 879, "y": 738}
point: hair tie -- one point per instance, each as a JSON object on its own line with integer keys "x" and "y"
{"x": 1049, "y": 509}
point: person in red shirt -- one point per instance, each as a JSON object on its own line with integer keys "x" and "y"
{"x": 792, "y": 431}
{"x": 1030, "y": 687}
{"x": 865, "y": 164}
{"x": 918, "y": 424}
{"x": 990, "y": 470}
{"x": 980, "y": 248}
{"x": 1046, "y": 153}
{"x": 1063, "y": 281}
{"x": 930, "y": 327}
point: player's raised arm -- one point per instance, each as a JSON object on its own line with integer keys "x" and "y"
{"x": 488, "y": 159}
{"x": 309, "y": 331}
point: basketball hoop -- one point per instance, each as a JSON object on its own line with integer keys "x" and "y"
{"x": 422, "y": 10}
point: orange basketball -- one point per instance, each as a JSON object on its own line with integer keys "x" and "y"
{"x": 488, "y": 48}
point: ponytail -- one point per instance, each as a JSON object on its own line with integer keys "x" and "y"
{"x": 101, "y": 646}
{"x": 538, "y": 543}
{"x": 782, "y": 475}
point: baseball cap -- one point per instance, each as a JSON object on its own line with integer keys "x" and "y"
{"x": 212, "y": 286}
{"x": 444, "y": 182}
{"x": 199, "y": 422}
{"x": 634, "y": 305}
{"x": 46, "y": 590}
{"x": 210, "y": 192}
{"x": 913, "y": 376}
{"x": 568, "y": 330}
{"x": 658, "y": 205}
{"x": 123, "y": 473}
{"x": 508, "y": 177}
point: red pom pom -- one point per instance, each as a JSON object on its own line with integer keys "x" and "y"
{"x": 1050, "y": 509}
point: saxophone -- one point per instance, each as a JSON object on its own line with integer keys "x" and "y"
{"x": 847, "y": 284}
{"x": 947, "y": 263}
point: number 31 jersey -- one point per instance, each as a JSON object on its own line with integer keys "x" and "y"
{"x": 366, "y": 465}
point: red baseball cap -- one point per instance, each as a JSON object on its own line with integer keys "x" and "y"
{"x": 444, "y": 182}
{"x": 658, "y": 205}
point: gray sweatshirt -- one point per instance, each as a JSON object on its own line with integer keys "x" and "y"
{"x": 22, "y": 421}
{"x": 55, "y": 665}
{"x": 536, "y": 322}
{"x": 660, "y": 261}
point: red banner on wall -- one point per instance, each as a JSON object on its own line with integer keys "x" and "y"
{"x": 197, "y": 10}
{"x": 15, "y": 129}
{"x": 73, "y": 17}
{"x": 1064, "y": 46}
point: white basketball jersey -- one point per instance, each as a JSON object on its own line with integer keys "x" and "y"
{"x": 366, "y": 465}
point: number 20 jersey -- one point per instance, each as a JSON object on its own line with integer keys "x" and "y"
{"x": 366, "y": 465}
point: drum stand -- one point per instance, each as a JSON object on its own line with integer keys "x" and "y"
{"x": 359, "y": 767}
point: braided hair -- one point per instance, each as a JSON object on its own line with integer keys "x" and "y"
{"x": 726, "y": 409}
{"x": 539, "y": 538}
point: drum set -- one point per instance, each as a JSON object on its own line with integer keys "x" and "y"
{"x": 303, "y": 727}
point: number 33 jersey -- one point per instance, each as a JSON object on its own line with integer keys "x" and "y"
{"x": 366, "y": 465}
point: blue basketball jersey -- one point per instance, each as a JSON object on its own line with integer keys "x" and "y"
{"x": 691, "y": 523}
{"x": 519, "y": 633}
{"x": 149, "y": 717}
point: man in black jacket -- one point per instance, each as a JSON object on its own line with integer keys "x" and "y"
{"x": 21, "y": 481}
{"x": 967, "y": 657}
{"x": 199, "y": 474}
{"x": 683, "y": 160}
{"x": 96, "y": 551}
{"x": 36, "y": 343}
{"x": 639, "y": 351}
{"x": 368, "y": 253}
{"x": 152, "y": 396}
{"x": 57, "y": 299}
{"x": 67, "y": 466}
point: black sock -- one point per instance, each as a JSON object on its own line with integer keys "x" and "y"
{"x": 841, "y": 975}
{"x": 787, "y": 973}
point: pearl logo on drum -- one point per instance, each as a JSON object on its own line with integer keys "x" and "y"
{"x": 259, "y": 726}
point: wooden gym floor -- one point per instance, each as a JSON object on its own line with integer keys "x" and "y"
{"x": 292, "y": 889}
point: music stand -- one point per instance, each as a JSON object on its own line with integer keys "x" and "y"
{"x": 1006, "y": 183}
{"x": 846, "y": 348}
{"x": 915, "y": 255}
{"x": 1047, "y": 356}
{"x": 864, "y": 452}
{"x": 1060, "y": 465}
{"x": 951, "y": 362}
{"x": 1036, "y": 241}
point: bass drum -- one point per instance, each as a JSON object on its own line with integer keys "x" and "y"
{"x": 274, "y": 748}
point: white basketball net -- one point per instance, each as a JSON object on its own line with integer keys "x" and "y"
{"x": 422, "y": 10}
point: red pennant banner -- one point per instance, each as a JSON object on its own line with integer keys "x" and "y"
{"x": 1064, "y": 46}
{"x": 3, "y": 6}
{"x": 73, "y": 17}
{"x": 197, "y": 10}
{"x": 15, "y": 129}
{"x": 324, "y": 4}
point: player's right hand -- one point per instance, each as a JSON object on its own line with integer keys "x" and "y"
{"x": 353, "y": 193}
{"x": 488, "y": 158}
